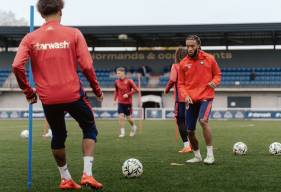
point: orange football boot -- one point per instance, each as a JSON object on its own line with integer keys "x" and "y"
{"x": 68, "y": 184}
{"x": 186, "y": 150}
{"x": 90, "y": 181}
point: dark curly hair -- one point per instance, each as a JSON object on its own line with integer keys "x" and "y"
{"x": 49, "y": 7}
{"x": 195, "y": 38}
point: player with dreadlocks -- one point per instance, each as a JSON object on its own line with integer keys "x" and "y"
{"x": 198, "y": 77}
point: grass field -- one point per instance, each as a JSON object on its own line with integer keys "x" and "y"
{"x": 156, "y": 148}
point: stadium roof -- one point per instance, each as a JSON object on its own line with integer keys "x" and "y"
{"x": 168, "y": 35}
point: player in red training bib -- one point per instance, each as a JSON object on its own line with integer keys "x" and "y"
{"x": 55, "y": 52}
{"x": 198, "y": 78}
{"x": 179, "y": 99}
{"x": 124, "y": 91}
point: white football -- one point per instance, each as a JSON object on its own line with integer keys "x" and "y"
{"x": 24, "y": 134}
{"x": 275, "y": 148}
{"x": 240, "y": 148}
{"x": 132, "y": 168}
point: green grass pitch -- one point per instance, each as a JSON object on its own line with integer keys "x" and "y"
{"x": 156, "y": 148}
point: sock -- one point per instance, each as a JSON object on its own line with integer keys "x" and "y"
{"x": 197, "y": 154}
{"x": 210, "y": 152}
{"x": 88, "y": 164}
{"x": 186, "y": 144}
{"x": 134, "y": 127}
{"x": 49, "y": 132}
{"x": 64, "y": 173}
{"x": 122, "y": 131}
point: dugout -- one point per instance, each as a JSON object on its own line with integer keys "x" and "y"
{"x": 151, "y": 101}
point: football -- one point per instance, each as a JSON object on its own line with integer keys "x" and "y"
{"x": 275, "y": 148}
{"x": 240, "y": 148}
{"x": 132, "y": 168}
{"x": 24, "y": 134}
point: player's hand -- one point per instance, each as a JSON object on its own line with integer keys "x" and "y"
{"x": 100, "y": 99}
{"x": 125, "y": 96}
{"x": 32, "y": 99}
{"x": 164, "y": 93}
{"x": 212, "y": 85}
{"x": 188, "y": 100}
{"x": 114, "y": 102}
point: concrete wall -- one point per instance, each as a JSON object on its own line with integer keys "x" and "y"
{"x": 259, "y": 100}
{"x": 15, "y": 100}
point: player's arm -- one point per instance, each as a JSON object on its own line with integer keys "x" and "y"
{"x": 86, "y": 63}
{"x": 18, "y": 65}
{"x": 181, "y": 83}
{"x": 168, "y": 87}
{"x": 134, "y": 88}
{"x": 216, "y": 72}
{"x": 172, "y": 80}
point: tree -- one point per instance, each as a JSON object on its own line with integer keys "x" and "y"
{"x": 8, "y": 18}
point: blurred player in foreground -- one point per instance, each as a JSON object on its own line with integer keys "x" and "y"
{"x": 179, "y": 99}
{"x": 55, "y": 52}
{"x": 124, "y": 91}
{"x": 198, "y": 78}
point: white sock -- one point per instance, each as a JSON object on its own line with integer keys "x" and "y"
{"x": 88, "y": 164}
{"x": 134, "y": 127}
{"x": 64, "y": 173}
{"x": 186, "y": 144}
{"x": 197, "y": 154}
{"x": 210, "y": 152}
{"x": 122, "y": 131}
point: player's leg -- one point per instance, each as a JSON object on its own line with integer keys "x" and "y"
{"x": 81, "y": 111}
{"x": 191, "y": 118}
{"x": 46, "y": 128}
{"x": 121, "y": 122}
{"x": 128, "y": 113}
{"x": 180, "y": 118}
{"x": 205, "y": 109}
{"x": 133, "y": 126}
{"x": 121, "y": 119}
{"x": 55, "y": 117}
{"x": 46, "y": 131}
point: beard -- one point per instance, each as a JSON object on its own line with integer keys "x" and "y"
{"x": 194, "y": 54}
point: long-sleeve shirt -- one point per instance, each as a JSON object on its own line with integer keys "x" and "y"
{"x": 55, "y": 52}
{"x": 173, "y": 82}
{"x": 195, "y": 75}
{"x": 122, "y": 87}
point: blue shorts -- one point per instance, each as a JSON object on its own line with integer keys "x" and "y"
{"x": 195, "y": 111}
{"x": 125, "y": 109}
{"x": 80, "y": 110}
{"x": 180, "y": 110}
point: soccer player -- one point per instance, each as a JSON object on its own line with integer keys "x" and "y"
{"x": 55, "y": 52}
{"x": 124, "y": 91}
{"x": 198, "y": 78}
{"x": 179, "y": 99}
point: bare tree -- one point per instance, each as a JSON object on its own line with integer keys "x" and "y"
{"x": 8, "y": 18}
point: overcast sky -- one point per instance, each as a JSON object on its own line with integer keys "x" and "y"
{"x": 152, "y": 12}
